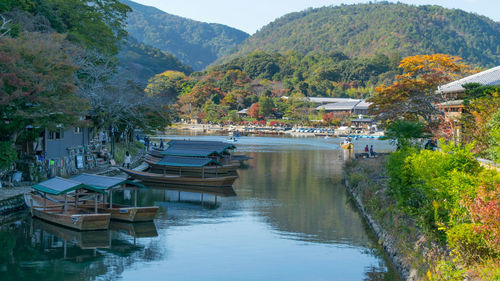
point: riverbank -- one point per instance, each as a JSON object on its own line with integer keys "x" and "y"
{"x": 305, "y": 131}
{"x": 12, "y": 202}
{"x": 411, "y": 252}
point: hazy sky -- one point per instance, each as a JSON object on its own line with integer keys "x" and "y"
{"x": 251, "y": 15}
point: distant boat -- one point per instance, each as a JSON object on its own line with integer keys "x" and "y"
{"x": 65, "y": 214}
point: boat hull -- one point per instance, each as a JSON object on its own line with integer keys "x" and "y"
{"x": 179, "y": 180}
{"x": 75, "y": 218}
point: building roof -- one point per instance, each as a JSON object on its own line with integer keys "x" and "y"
{"x": 180, "y": 161}
{"x": 452, "y": 103}
{"x": 490, "y": 77}
{"x": 339, "y": 106}
{"x": 363, "y": 105}
{"x": 331, "y": 100}
{"x": 362, "y": 120}
{"x": 57, "y": 186}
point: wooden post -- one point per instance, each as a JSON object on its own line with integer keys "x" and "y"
{"x": 44, "y": 201}
{"x": 215, "y": 200}
{"x": 135, "y": 197}
{"x": 95, "y": 203}
{"x": 202, "y": 198}
{"x": 65, "y": 203}
{"x": 203, "y": 172}
{"x": 180, "y": 171}
{"x": 179, "y": 197}
{"x": 111, "y": 198}
{"x": 31, "y": 207}
{"x": 76, "y": 198}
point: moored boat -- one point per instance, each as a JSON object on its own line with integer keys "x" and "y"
{"x": 65, "y": 214}
{"x": 223, "y": 181}
{"x": 189, "y": 166}
{"x": 117, "y": 211}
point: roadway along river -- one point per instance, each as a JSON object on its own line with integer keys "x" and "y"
{"x": 292, "y": 219}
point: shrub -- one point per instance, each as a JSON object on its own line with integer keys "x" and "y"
{"x": 468, "y": 245}
{"x": 7, "y": 154}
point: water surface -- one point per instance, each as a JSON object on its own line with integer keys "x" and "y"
{"x": 292, "y": 219}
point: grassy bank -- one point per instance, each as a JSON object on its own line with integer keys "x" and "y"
{"x": 438, "y": 211}
{"x": 121, "y": 148}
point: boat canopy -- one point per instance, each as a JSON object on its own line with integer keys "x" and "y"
{"x": 58, "y": 186}
{"x": 190, "y": 152}
{"x": 103, "y": 182}
{"x": 206, "y": 144}
{"x": 180, "y": 161}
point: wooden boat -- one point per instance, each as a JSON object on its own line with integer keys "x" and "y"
{"x": 180, "y": 180}
{"x": 64, "y": 214}
{"x": 117, "y": 211}
{"x": 189, "y": 167}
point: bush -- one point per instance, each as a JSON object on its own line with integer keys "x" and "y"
{"x": 431, "y": 184}
{"x": 468, "y": 245}
{"x": 7, "y": 154}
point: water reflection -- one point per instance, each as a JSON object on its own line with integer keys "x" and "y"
{"x": 292, "y": 219}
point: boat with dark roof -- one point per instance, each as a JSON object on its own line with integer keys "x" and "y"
{"x": 190, "y": 166}
{"x": 65, "y": 214}
{"x": 223, "y": 181}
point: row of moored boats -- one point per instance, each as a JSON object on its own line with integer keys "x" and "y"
{"x": 85, "y": 202}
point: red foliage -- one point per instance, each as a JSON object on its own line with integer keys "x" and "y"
{"x": 328, "y": 118}
{"x": 485, "y": 212}
{"x": 254, "y": 110}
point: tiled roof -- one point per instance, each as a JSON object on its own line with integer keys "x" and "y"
{"x": 331, "y": 100}
{"x": 341, "y": 106}
{"x": 488, "y": 77}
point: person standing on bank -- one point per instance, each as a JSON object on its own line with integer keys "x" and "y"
{"x": 127, "y": 160}
{"x": 372, "y": 153}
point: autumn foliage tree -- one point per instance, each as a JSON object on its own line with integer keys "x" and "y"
{"x": 413, "y": 95}
{"x": 254, "y": 110}
{"x": 37, "y": 84}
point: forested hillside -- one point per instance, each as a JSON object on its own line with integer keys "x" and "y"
{"x": 195, "y": 43}
{"x": 260, "y": 80}
{"x": 141, "y": 61}
{"x": 366, "y": 29}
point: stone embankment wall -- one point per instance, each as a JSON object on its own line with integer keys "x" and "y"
{"x": 385, "y": 239}
{"x": 10, "y": 208}
{"x": 410, "y": 251}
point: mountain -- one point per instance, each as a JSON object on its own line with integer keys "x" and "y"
{"x": 197, "y": 44}
{"x": 366, "y": 29}
{"x": 141, "y": 62}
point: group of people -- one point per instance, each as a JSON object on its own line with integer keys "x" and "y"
{"x": 148, "y": 143}
{"x": 369, "y": 151}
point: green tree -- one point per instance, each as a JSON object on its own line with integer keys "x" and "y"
{"x": 404, "y": 132}
{"x": 266, "y": 106}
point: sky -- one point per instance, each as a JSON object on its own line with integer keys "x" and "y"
{"x": 251, "y": 15}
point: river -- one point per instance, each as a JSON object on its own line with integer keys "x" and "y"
{"x": 291, "y": 219}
